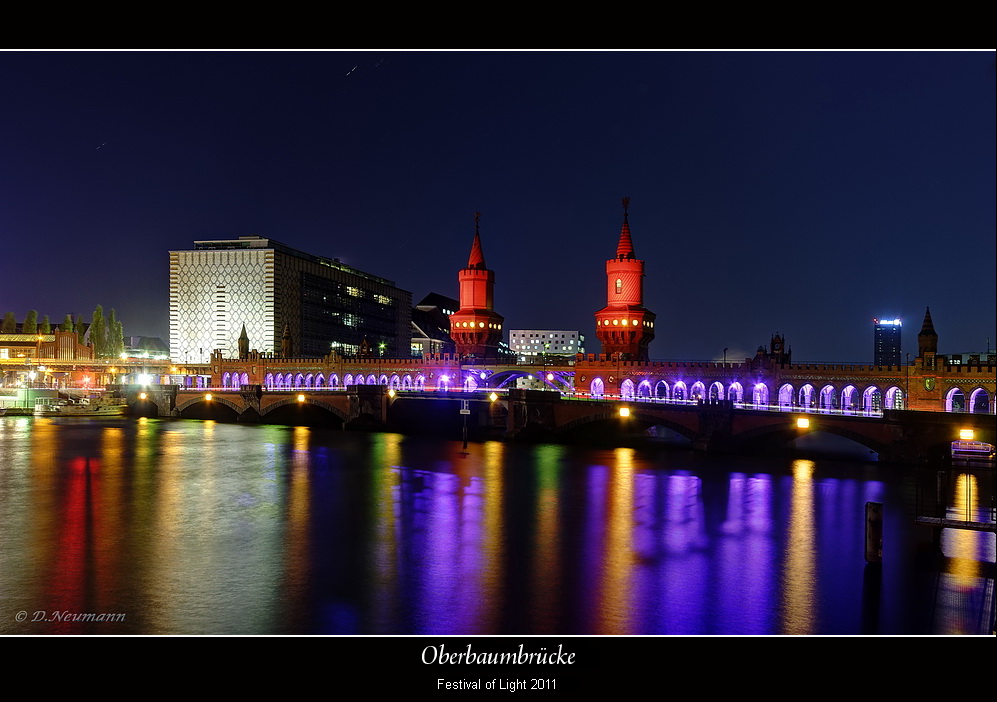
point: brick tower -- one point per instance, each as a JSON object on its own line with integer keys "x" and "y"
{"x": 624, "y": 326}
{"x": 475, "y": 328}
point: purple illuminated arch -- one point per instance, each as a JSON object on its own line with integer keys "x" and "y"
{"x": 268, "y": 381}
{"x": 697, "y": 391}
{"x": 806, "y": 397}
{"x": 955, "y": 401}
{"x": 848, "y": 399}
{"x": 396, "y": 382}
{"x": 597, "y": 388}
{"x": 735, "y": 392}
{"x": 406, "y": 382}
{"x": 828, "y": 399}
{"x": 760, "y": 395}
{"x": 383, "y": 380}
{"x": 371, "y": 380}
{"x": 716, "y": 391}
{"x": 894, "y": 398}
{"x": 786, "y": 396}
{"x": 333, "y": 382}
{"x": 644, "y": 390}
{"x": 470, "y": 383}
{"x": 420, "y": 382}
{"x": 872, "y": 399}
{"x": 661, "y": 390}
{"x": 627, "y": 389}
{"x": 347, "y": 380}
{"x": 979, "y": 401}
{"x": 226, "y": 378}
{"x": 679, "y": 391}
{"x": 244, "y": 380}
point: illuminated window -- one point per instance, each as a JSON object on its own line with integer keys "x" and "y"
{"x": 382, "y": 299}
{"x": 619, "y": 286}
{"x": 353, "y": 292}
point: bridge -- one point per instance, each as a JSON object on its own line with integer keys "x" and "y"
{"x": 905, "y": 436}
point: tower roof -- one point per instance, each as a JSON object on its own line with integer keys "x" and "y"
{"x": 477, "y": 257}
{"x": 927, "y": 327}
{"x": 625, "y": 248}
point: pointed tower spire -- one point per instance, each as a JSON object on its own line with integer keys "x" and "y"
{"x": 927, "y": 338}
{"x": 625, "y": 247}
{"x": 244, "y": 343}
{"x": 477, "y": 257}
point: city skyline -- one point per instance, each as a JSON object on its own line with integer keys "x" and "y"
{"x": 803, "y": 193}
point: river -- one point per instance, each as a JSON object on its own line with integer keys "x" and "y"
{"x": 161, "y": 526}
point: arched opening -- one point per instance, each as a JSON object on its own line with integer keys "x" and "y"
{"x": 806, "y": 397}
{"x": 736, "y": 393}
{"x": 597, "y": 388}
{"x": 661, "y": 390}
{"x": 979, "y": 401}
{"x": 894, "y": 398}
{"x": 697, "y": 392}
{"x": 848, "y": 399}
{"x": 760, "y": 395}
{"x": 828, "y": 399}
{"x": 470, "y": 384}
{"x": 716, "y": 391}
{"x": 644, "y": 390}
{"x": 786, "y": 396}
{"x": 627, "y": 389}
{"x": 679, "y": 391}
{"x": 872, "y": 400}
{"x": 955, "y": 400}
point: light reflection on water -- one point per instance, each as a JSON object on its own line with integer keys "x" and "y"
{"x": 203, "y": 528}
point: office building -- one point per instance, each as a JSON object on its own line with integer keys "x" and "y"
{"x": 290, "y": 303}
{"x": 886, "y": 342}
{"x": 551, "y": 342}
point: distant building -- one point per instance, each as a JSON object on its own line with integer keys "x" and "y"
{"x": 431, "y": 325}
{"x": 146, "y": 347}
{"x": 290, "y": 303}
{"x": 886, "y": 342}
{"x": 551, "y": 342}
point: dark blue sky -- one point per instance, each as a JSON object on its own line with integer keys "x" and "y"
{"x": 795, "y": 192}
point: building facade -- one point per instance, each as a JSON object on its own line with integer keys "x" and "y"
{"x": 476, "y": 327}
{"x": 886, "y": 342}
{"x": 291, "y": 303}
{"x": 527, "y": 343}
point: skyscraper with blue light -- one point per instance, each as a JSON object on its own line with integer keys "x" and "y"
{"x": 886, "y": 342}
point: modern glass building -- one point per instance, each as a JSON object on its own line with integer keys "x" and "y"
{"x": 550, "y": 342}
{"x": 291, "y": 303}
{"x": 886, "y": 342}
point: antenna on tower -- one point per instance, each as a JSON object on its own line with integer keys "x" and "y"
{"x": 626, "y": 205}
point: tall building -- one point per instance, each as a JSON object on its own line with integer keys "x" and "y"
{"x": 290, "y": 303}
{"x": 886, "y": 342}
{"x": 624, "y": 325}
{"x": 476, "y": 328}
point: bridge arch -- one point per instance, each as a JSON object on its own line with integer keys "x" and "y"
{"x": 661, "y": 390}
{"x": 980, "y": 401}
{"x": 786, "y": 396}
{"x": 627, "y": 389}
{"x": 735, "y": 392}
{"x": 760, "y": 395}
{"x": 697, "y": 391}
{"x": 597, "y": 388}
{"x": 955, "y": 400}
{"x": 679, "y": 391}
{"x": 872, "y": 399}
{"x": 716, "y": 391}
{"x": 894, "y": 398}
{"x": 828, "y": 398}
{"x": 805, "y": 398}
{"x": 848, "y": 398}
{"x": 334, "y": 382}
{"x": 644, "y": 390}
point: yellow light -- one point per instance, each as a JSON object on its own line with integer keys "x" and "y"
{"x": 391, "y": 393}
{"x": 301, "y": 398}
{"x": 208, "y": 397}
{"x": 624, "y": 411}
{"x": 802, "y": 423}
{"x": 141, "y": 396}
{"x": 967, "y": 434}
{"x": 493, "y": 397}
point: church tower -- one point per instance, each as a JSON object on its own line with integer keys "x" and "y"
{"x": 475, "y": 328}
{"x": 624, "y": 326}
{"x": 927, "y": 338}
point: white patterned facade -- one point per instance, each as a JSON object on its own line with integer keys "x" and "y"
{"x": 213, "y": 293}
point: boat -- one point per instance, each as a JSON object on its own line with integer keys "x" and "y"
{"x": 94, "y": 407}
{"x": 972, "y": 453}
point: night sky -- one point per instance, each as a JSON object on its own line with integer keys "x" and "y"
{"x": 795, "y": 192}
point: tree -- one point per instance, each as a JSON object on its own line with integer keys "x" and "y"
{"x": 67, "y": 323}
{"x": 30, "y": 325}
{"x": 46, "y": 325}
{"x": 9, "y": 325}
{"x": 115, "y": 335}
{"x": 98, "y": 332}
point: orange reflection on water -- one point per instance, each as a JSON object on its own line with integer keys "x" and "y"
{"x": 613, "y": 616}
{"x": 799, "y": 576}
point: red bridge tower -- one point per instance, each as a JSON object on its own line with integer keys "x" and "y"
{"x": 624, "y": 326}
{"x": 475, "y": 328}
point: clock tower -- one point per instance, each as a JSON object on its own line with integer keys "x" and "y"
{"x": 624, "y": 326}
